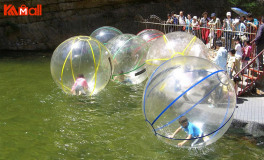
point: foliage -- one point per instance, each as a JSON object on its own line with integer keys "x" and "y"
{"x": 253, "y": 6}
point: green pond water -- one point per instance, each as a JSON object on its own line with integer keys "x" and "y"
{"x": 38, "y": 121}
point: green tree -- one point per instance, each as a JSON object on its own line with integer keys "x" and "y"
{"x": 253, "y": 6}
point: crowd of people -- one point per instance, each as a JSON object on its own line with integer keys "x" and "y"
{"x": 244, "y": 30}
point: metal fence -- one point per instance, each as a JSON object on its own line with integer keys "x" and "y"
{"x": 209, "y": 35}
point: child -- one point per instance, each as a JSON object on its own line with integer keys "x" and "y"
{"x": 192, "y": 131}
{"x": 246, "y": 54}
{"x": 80, "y": 85}
{"x": 232, "y": 63}
{"x": 238, "y": 55}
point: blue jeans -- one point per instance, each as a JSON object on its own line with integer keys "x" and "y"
{"x": 228, "y": 40}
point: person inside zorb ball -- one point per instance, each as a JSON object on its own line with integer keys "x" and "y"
{"x": 81, "y": 65}
{"x": 190, "y": 94}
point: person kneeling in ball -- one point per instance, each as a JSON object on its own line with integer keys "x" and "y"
{"x": 80, "y": 85}
{"x": 192, "y": 131}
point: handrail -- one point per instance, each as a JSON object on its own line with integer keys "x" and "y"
{"x": 252, "y": 61}
{"x": 163, "y": 23}
{"x": 248, "y": 85}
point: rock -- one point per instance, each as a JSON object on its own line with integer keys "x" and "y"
{"x": 63, "y": 19}
{"x": 254, "y": 129}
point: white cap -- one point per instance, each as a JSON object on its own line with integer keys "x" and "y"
{"x": 228, "y": 13}
{"x": 194, "y": 17}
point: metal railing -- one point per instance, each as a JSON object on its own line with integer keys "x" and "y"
{"x": 249, "y": 75}
{"x": 214, "y": 35}
{"x": 207, "y": 34}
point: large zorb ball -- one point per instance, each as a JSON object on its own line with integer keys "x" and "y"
{"x": 129, "y": 55}
{"x": 172, "y": 45}
{"x": 150, "y": 35}
{"x": 104, "y": 34}
{"x": 192, "y": 87}
{"x": 81, "y": 55}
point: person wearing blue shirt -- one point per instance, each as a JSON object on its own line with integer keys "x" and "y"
{"x": 221, "y": 57}
{"x": 252, "y": 26}
{"x": 240, "y": 27}
{"x": 193, "y": 132}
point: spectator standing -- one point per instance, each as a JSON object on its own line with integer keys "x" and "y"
{"x": 182, "y": 22}
{"x": 239, "y": 27}
{"x": 169, "y": 22}
{"x": 174, "y": 17}
{"x": 252, "y": 26}
{"x": 214, "y": 24}
{"x": 259, "y": 41}
{"x": 174, "y": 21}
{"x": 195, "y": 26}
{"x": 239, "y": 53}
{"x": 204, "y": 24}
{"x": 189, "y": 23}
{"x": 246, "y": 54}
{"x": 227, "y": 26}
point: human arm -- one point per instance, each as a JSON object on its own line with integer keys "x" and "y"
{"x": 224, "y": 24}
{"x": 253, "y": 25}
{"x": 183, "y": 142}
{"x": 177, "y": 131}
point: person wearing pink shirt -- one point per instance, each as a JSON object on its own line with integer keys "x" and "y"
{"x": 80, "y": 85}
{"x": 246, "y": 54}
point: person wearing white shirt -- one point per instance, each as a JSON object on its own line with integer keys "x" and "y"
{"x": 195, "y": 26}
{"x": 182, "y": 22}
{"x": 228, "y": 22}
{"x": 239, "y": 53}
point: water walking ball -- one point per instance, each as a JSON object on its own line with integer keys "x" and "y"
{"x": 81, "y": 55}
{"x": 104, "y": 34}
{"x": 129, "y": 55}
{"x": 150, "y": 35}
{"x": 193, "y": 88}
{"x": 172, "y": 45}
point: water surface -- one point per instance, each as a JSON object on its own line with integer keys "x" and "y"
{"x": 38, "y": 121}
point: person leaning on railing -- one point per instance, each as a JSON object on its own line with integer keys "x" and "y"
{"x": 252, "y": 26}
{"x": 188, "y": 21}
{"x": 259, "y": 41}
{"x": 182, "y": 23}
{"x": 239, "y": 27}
{"x": 169, "y": 21}
{"x": 195, "y": 26}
